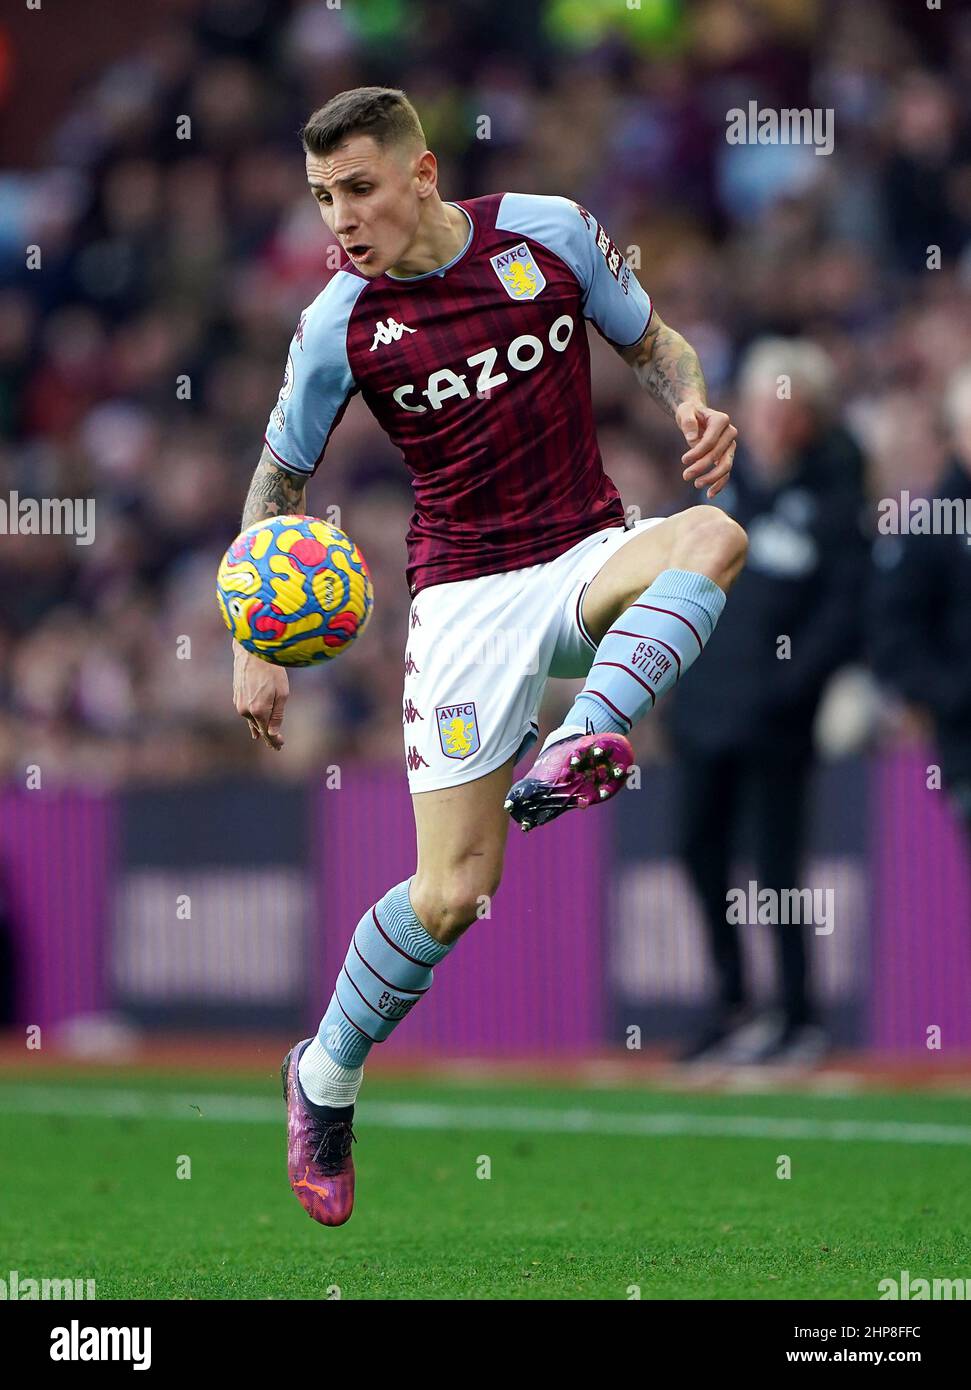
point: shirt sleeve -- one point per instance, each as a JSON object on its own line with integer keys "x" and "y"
{"x": 317, "y": 382}
{"x": 613, "y": 298}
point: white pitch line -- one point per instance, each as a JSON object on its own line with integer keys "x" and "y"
{"x": 166, "y": 1105}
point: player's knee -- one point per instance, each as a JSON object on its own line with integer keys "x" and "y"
{"x": 708, "y": 526}
{"x": 735, "y": 540}
{"x": 449, "y": 905}
{"x": 712, "y": 542}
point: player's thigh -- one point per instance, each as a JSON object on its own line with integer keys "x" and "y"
{"x": 462, "y": 832}
{"x": 703, "y": 539}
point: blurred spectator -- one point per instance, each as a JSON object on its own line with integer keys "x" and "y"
{"x": 919, "y": 632}
{"x": 742, "y": 721}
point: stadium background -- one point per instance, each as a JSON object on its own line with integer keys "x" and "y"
{"x": 165, "y": 256}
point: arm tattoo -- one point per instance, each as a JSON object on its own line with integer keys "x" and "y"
{"x": 667, "y": 367}
{"x": 273, "y": 492}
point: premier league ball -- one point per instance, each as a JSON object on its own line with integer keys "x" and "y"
{"x": 294, "y": 590}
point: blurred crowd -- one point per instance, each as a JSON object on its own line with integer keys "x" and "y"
{"x": 140, "y": 361}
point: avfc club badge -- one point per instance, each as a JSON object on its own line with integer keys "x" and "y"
{"x": 458, "y": 730}
{"x": 518, "y": 272}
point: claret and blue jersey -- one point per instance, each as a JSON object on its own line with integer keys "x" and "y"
{"x": 479, "y": 372}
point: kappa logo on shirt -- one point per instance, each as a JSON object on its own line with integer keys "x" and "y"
{"x": 390, "y": 332}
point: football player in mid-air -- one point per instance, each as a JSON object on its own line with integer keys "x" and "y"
{"x": 463, "y": 326}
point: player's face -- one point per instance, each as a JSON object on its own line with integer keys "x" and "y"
{"x": 369, "y": 198}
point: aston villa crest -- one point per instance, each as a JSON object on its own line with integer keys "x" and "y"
{"x": 518, "y": 272}
{"x": 458, "y": 730}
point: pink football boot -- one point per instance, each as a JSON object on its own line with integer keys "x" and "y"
{"x": 318, "y": 1150}
{"x": 579, "y": 770}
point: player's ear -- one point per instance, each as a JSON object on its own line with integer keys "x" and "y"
{"x": 426, "y": 173}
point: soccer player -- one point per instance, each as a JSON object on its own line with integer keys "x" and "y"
{"x": 462, "y": 324}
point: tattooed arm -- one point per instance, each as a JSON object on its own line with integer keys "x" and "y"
{"x": 260, "y": 689}
{"x": 273, "y": 492}
{"x": 667, "y": 366}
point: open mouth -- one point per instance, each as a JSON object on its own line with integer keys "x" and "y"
{"x": 358, "y": 254}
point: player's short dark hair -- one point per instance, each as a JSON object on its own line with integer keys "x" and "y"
{"x": 384, "y": 113}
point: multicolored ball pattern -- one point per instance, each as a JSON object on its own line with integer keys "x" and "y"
{"x": 294, "y": 590}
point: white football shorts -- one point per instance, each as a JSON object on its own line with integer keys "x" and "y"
{"x": 479, "y": 653}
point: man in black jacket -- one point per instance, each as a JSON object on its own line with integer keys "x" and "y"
{"x": 919, "y": 620}
{"x": 743, "y": 728}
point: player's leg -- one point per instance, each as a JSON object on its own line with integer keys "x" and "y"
{"x": 469, "y": 705}
{"x": 653, "y": 606}
{"x": 387, "y": 971}
{"x": 702, "y": 541}
{"x": 645, "y": 614}
{"x": 461, "y": 835}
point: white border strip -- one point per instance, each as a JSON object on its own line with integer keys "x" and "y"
{"x": 168, "y": 1105}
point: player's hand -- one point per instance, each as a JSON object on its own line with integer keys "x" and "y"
{"x": 260, "y": 693}
{"x": 711, "y": 446}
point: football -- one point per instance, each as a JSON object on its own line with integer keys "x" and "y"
{"x": 294, "y": 590}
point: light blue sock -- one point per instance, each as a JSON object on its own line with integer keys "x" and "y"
{"x": 648, "y": 649}
{"x": 386, "y": 971}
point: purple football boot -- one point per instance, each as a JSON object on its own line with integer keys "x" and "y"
{"x": 579, "y": 770}
{"x": 318, "y": 1150}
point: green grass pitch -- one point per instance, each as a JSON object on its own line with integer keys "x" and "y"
{"x": 592, "y": 1194}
